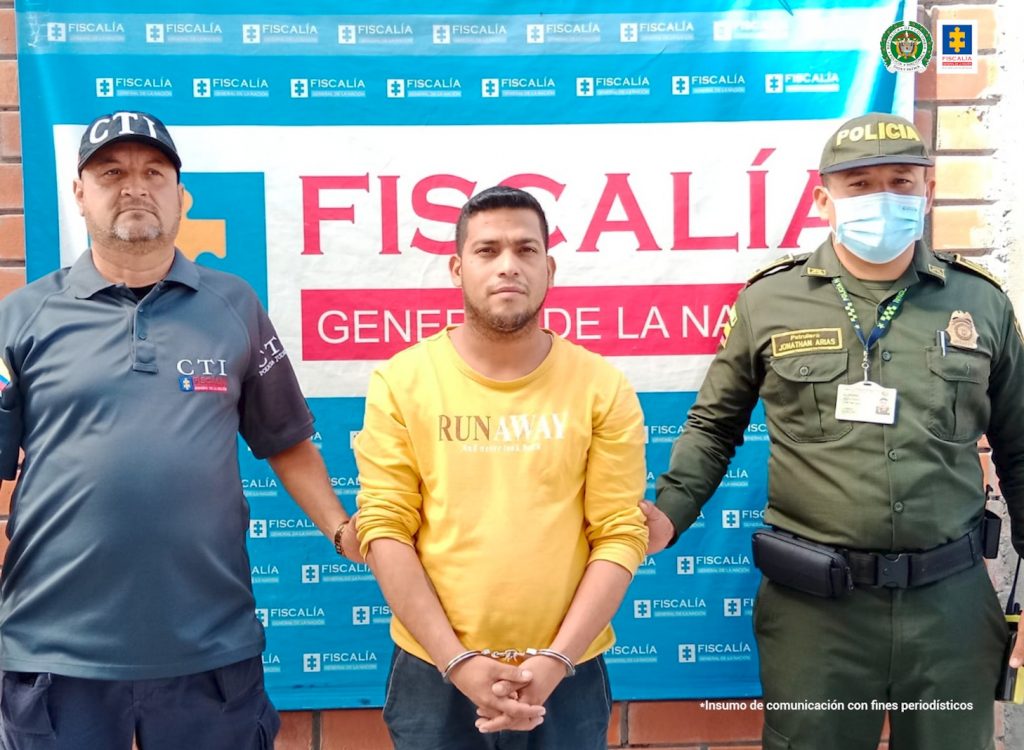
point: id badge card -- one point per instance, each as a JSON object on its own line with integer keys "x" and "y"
{"x": 866, "y": 402}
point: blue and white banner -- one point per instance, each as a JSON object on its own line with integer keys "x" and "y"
{"x": 326, "y": 153}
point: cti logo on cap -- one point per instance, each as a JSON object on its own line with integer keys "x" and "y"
{"x": 126, "y": 123}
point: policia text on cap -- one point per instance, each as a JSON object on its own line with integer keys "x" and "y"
{"x": 879, "y": 364}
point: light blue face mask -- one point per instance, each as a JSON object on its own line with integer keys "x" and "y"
{"x": 878, "y": 227}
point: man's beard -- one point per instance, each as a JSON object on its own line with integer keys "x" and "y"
{"x": 134, "y": 240}
{"x": 499, "y": 325}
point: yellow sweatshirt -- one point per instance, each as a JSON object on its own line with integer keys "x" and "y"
{"x": 506, "y": 489}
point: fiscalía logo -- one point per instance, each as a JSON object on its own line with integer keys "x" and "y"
{"x": 492, "y": 88}
{"x": 469, "y": 33}
{"x": 266, "y": 486}
{"x": 629, "y": 85}
{"x": 270, "y": 33}
{"x": 722, "y": 82}
{"x": 631, "y": 32}
{"x": 364, "y": 614}
{"x": 205, "y": 88}
{"x": 957, "y": 51}
{"x": 375, "y": 33}
{"x": 181, "y": 31}
{"x": 263, "y": 615}
{"x": 277, "y": 528}
{"x": 56, "y": 32}
{"x": 632, "y": 653}
{"x": 307, "y": 616}
{"x": 428, "y": 87}
{"x": 906, "y": 46}
{"x": 134, "y": 86}
{"x": 737, "y": 606}
{"x": 396, "y": 88}
{"x": 271, "y": 662}
{"x": 305, "y": 88}
{"x": 688, "y": 565}
{"x": 565, "y": 32}
{"x": 803, "y": 82}
{"x": 336, "y": 661}
{"x": 265, "y": 574}
{"x": 747, "y": 519}
{"x": 690, "y": 653}
{"x": 336, "y": 572}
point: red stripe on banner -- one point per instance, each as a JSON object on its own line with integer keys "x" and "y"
{"x": 368, "y": 324}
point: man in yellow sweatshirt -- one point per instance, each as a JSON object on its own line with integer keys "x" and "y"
{"x": 501, "y": 469}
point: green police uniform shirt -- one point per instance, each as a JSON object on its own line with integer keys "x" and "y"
{"x": 911, "y": 485}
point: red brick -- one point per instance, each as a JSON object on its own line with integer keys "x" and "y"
{"x": 685, "y": 721}
{"x": 7, "y": 42}
{"x": 985, "y": 30}
{"x": 296, "y": 731}
{"x": 356, "y": 729}
{"x": 924, "y": 84}
{"x": 12, "y": 237}
{"x": 735, "y": 747}
{"x": 10, "y": 135}
{"x": 924, "y": 121}
{"x": 5, "y": 497}
{"x": 3, "y": 541}
{"x": 8, "y": 83}
{"x": 11, "y": 279}
{"x": 10, "y": 186}
{"x": 616, "y": 728}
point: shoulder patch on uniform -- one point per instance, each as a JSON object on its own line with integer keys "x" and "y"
{"x": 779, "y": 264}
{"x": 978, "y": 270}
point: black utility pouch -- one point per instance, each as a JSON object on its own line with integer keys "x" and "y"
{"x": 802, "y": 565}
{"x": 991, "y": 525}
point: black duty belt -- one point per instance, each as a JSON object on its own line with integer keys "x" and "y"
{"x": 909, "y": 569}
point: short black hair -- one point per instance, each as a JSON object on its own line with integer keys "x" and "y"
{"x": 492, "y": 199}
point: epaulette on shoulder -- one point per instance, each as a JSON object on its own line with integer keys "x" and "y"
{"x": 779, "y": 264}
{"x": 962, "y": 263}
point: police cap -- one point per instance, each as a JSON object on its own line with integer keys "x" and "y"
{"x": 872, "y": 139}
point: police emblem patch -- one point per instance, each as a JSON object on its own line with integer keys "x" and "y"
{"x": 961, "y": 330}
{"x": 906, "y": 46}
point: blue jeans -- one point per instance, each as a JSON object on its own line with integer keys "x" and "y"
{"x": 423, "y": 713}
{"x": 223, "y": 708}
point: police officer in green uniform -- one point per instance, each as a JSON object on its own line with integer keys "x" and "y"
{"x": 880, "y": 365}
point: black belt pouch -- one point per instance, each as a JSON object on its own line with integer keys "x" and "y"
{"x": 801, "y": 565}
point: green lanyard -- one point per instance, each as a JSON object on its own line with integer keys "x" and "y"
{"x": 883, "y": 324}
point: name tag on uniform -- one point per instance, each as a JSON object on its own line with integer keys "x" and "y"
{"x": 866, "y": 402}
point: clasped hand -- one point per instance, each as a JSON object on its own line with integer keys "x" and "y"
{"x": 506, "y": 696}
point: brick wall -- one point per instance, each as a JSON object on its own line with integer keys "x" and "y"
{"x": 955, "y": 112}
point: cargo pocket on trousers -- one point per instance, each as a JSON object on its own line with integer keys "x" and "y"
{"x": 24, "y": 704}
{"x": 237, "y": 682}
{"x": 773, "y": 740}
{"x": 269, "y": 723}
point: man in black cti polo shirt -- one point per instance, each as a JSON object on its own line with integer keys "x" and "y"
{"x": 126, "y": 602}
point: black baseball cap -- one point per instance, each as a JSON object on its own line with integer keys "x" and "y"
{"x": 126, "y": 126}
{"x": 872, "y": 139}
